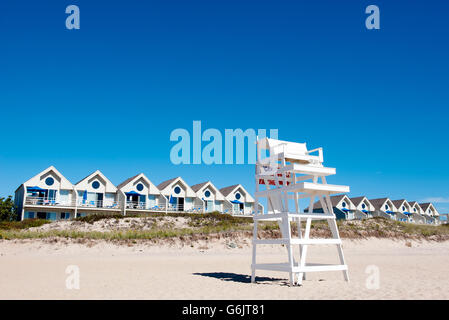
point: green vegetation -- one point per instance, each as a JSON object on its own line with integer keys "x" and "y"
{"x": 25, "y": 224}
{"x": 216, "y": 225}
{"x": 7, "y": 209}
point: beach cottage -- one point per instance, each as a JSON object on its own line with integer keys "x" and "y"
{"x": 417, "y": 212}
{"x": 242, "y": 202}
{"x": 343, "y": 207}
{"x": 363, "y": 207}
{"x": 403, "y": 210}
{"x": 47, "y": 195}
{"x": 180, "y": 196}
{"x": 96, "y": 194}
{"x": 431, "y": 214}
{"x": 384, "y": 207}
{"x": 140, "y": 194}
{"x": 211, "y": 196}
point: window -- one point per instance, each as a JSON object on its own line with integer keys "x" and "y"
{"x": 139, "y": 187}
{"x": 238, "y": 196}
{"x": 65, "y": 215}
{"x": 49, "y": 181}
{"x": 363, "y": 206}
{"x": 51, "y": 215}
{"x": 207, "y": 193}
{"x": 177, "y": 190}
{"x": 42, "y": 215}
{"x": 95, "y": 184}
{"x": 386, "y": 207}
{"x": 343, "y": 204}
{"x": 403, "y": 208}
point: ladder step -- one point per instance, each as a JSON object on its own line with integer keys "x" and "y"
{"x": 310, "y": 267}
{"x": 277, "y": 216}
{"x": 297, "y": 241}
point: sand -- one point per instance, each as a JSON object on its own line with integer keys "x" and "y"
{"x": 36, "y": 269}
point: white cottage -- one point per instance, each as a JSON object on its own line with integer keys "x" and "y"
{"x": 95, "y": 193}
{"x": 343, "y": 207}
{"x": 180, "y": 196}
{"x": 242, "y": 202}
{"x": 403, "y": 210}
{"x": 431, "y": 214}
{"x": 211, "y": 196}
{"x": 48, "y": 195}
{"x": 140, "y": 194}
{"x": 363, "y": 205}
{"x": 384, "y": 207}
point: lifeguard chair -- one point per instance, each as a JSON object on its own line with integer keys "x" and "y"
{"x": 289, "y": 173}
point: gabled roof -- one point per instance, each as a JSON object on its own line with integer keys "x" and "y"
{"x": 415, "y": 204}
{"x": 357, "y": 200}
{"x": 398, "y": 203}
{"x": 198, "y": 186}
{"x": 64, "y": 181}
{"x": 124, "y": 183}
{"x": 165, "y": 183}
{"x": 425, "y": 206}
{"x": 110, "y": 187}
{"x": 377, "y": 203}
{"x": 334, "y": 200}
{"x": 124, "y": 186}
{"x": 208, "y": 184}
{"x": 227, "y": 190}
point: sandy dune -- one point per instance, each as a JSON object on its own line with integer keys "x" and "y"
{"x": 36, "y": 270}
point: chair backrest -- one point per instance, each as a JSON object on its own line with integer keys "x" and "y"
{"x": 279, "y": 146}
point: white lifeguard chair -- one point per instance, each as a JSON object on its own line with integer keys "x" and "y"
{"x": 289, "y": 173}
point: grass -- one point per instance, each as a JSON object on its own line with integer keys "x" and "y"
{"x": 24, "y": 224}
{"x": 217, "y": 225}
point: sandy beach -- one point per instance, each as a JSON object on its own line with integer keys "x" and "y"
{"x": 36, "y": 269}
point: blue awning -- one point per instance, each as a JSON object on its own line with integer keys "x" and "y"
{"x": 35, "y": 188}
{"x": 344, "y": 209}
{"x": 365, "y": 211}
{"x": 388, "y": 211}
{"x": 408, "y": 213}
{"x": 132, "y": 193}
{"x": 235, "y": 201}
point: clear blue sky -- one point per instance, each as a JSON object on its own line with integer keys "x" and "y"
{"x": 108, "y": 95}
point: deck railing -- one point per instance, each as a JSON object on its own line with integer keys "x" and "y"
{"x": 144, "y": 206}
{"x": 81, "y": 203}
{"x": 45, "y": 201}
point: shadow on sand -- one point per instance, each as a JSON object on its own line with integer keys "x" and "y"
{"x": 244, "y": 278}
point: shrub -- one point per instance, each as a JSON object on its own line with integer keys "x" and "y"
{"x": 24, "y": 224}
{"x": 7, "y": 209}
{"x": 99, "y": 216}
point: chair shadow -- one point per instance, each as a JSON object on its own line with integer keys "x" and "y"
{"x": 235, "y": 277}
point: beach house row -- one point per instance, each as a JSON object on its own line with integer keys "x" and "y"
{"x": 358, "y": 208}
{"x": 49, "y": 195}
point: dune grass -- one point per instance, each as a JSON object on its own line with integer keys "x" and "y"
{"x": 203, "y": 225}
{"x": 24, "y": 224}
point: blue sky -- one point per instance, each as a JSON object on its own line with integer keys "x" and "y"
{"x": 108, "y": 95}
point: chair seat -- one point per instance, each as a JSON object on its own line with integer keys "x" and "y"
{"x": 301, "y": 158}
